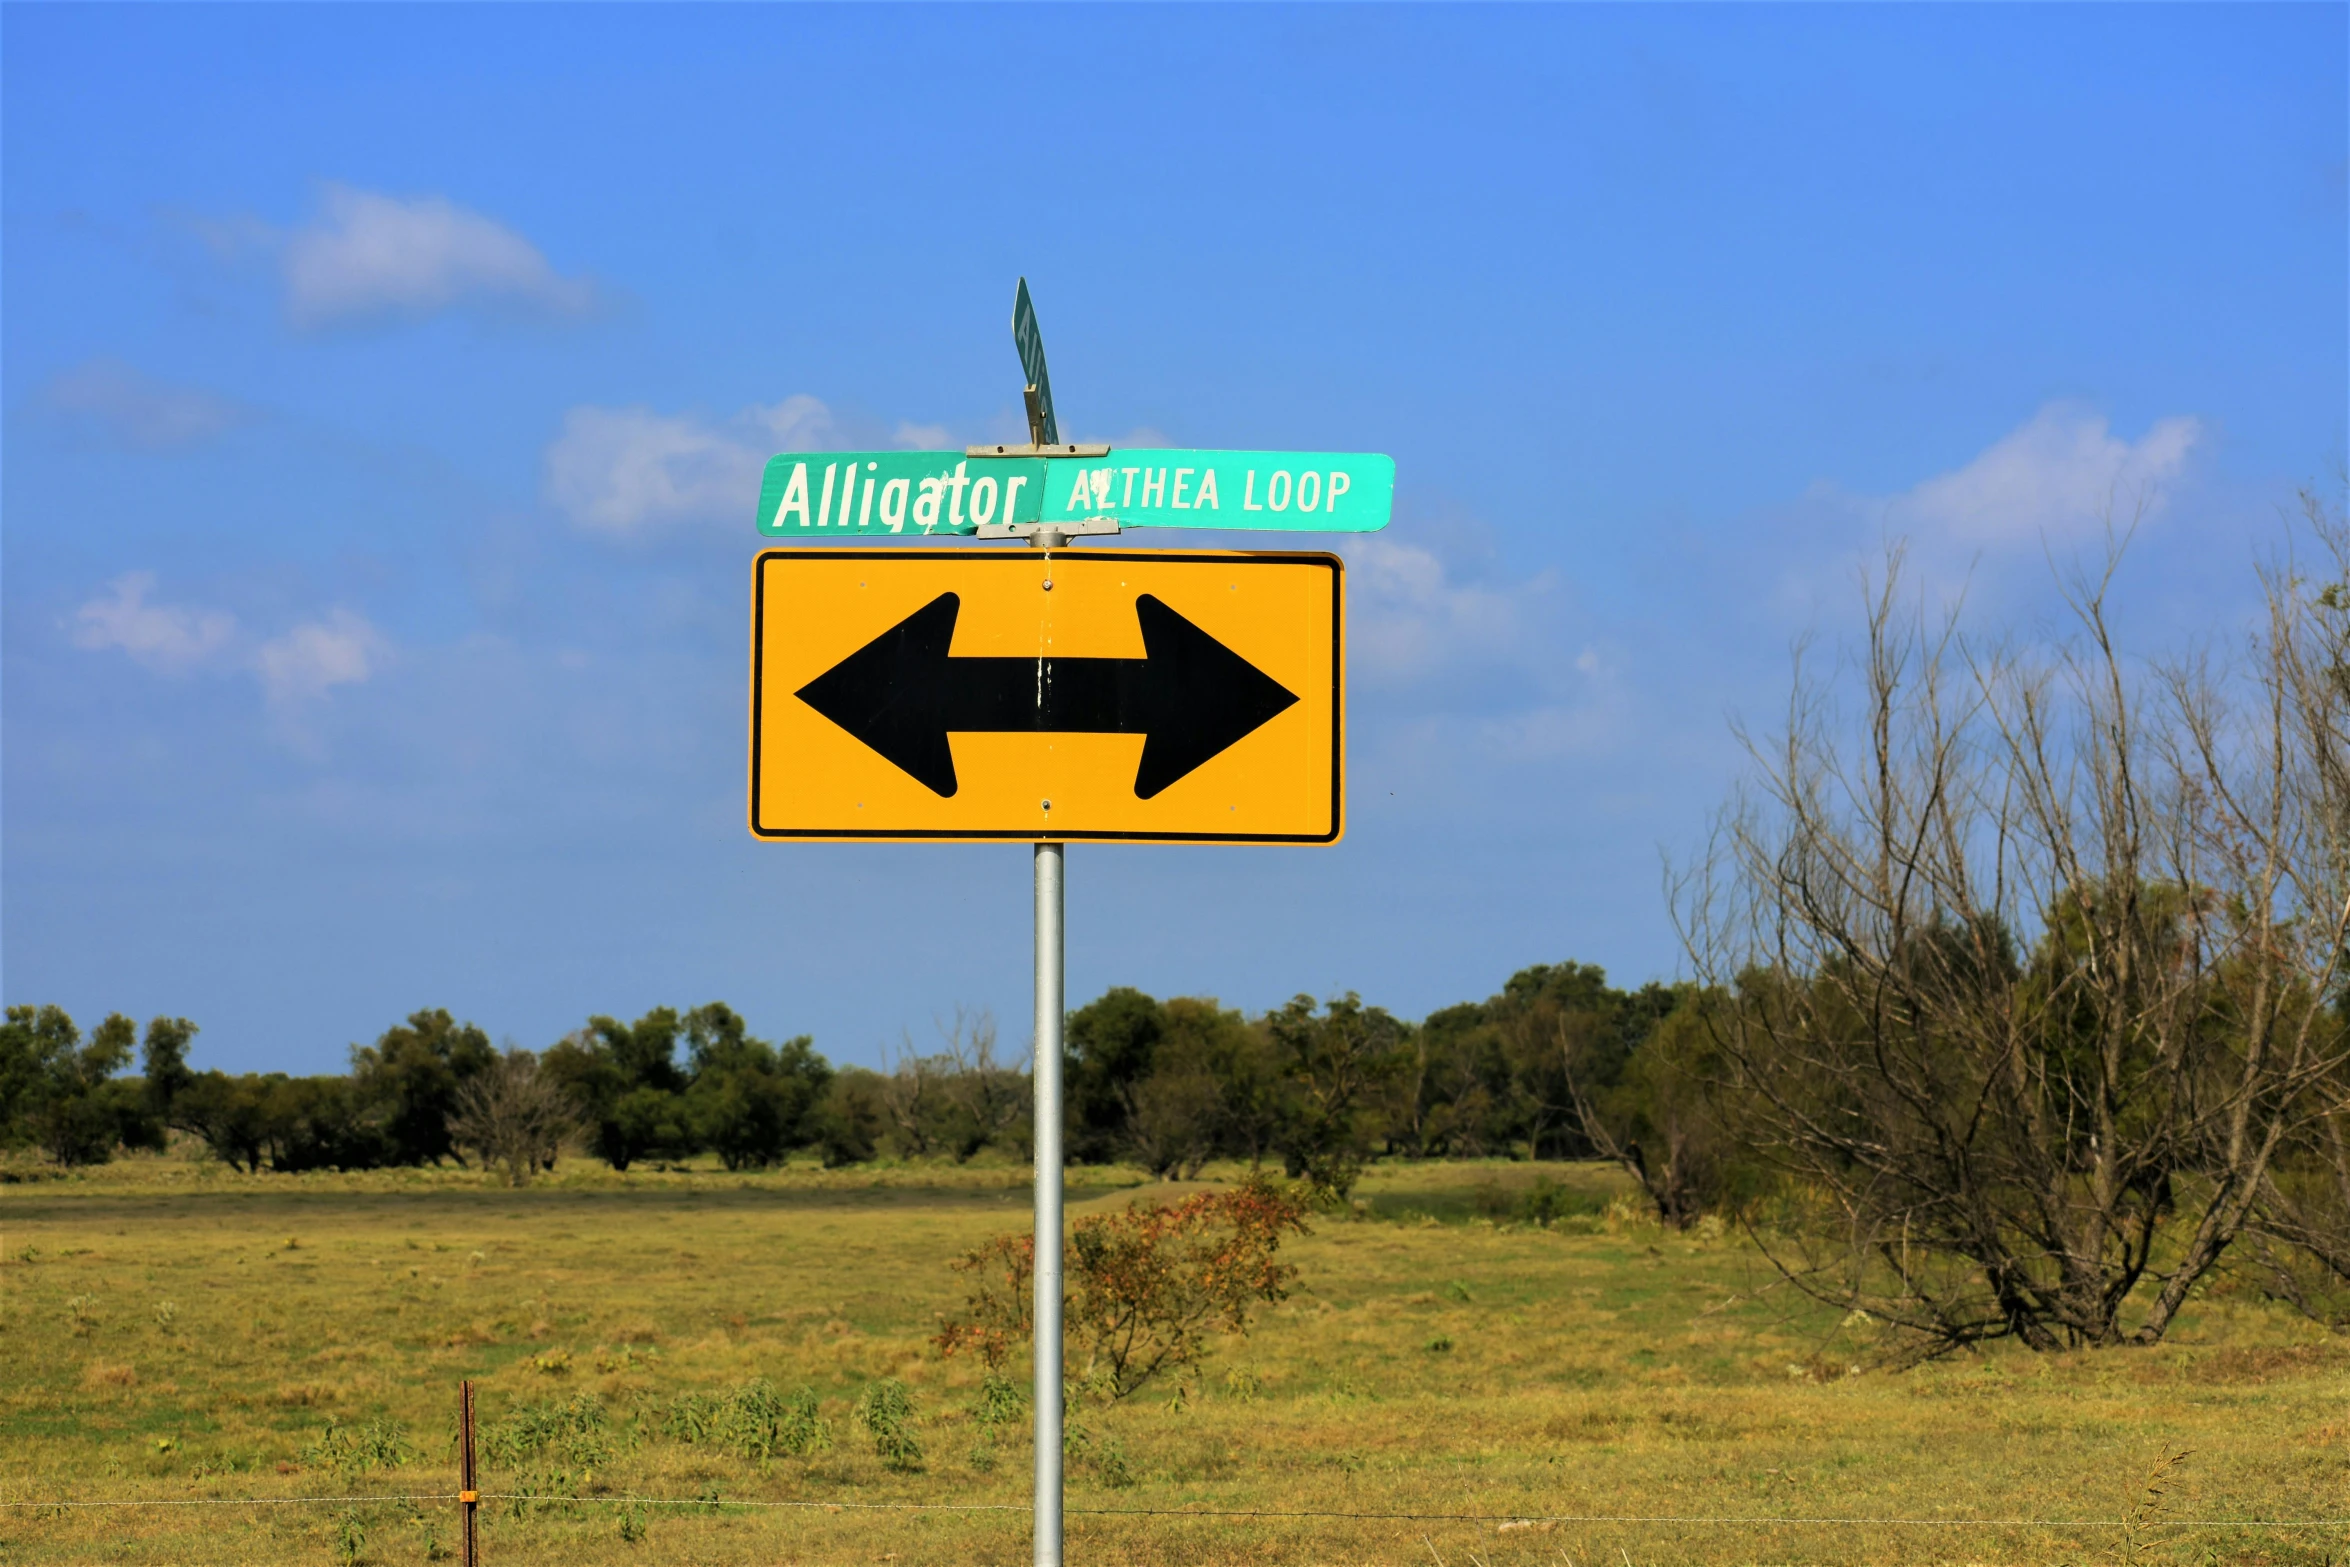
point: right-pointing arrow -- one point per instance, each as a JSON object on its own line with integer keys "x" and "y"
{"x": 1189, "y": 695}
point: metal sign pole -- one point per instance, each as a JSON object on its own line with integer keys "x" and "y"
{"x": 1047, "y": 1067}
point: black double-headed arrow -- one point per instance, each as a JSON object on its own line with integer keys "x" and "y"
{"x": 1189, "y": 695}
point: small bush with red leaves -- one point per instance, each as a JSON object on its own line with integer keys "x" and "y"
{"x": 1146, "y": 1287}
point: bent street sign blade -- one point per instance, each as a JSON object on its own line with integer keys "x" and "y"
{"x": 1189, "y": 695}
{"x": 927, "y": 694}
{"x": 822, "y": 496}
{"x": 1029, "y": 342}
{"x": 1321, "y": 492}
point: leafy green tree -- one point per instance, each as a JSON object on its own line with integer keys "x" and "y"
{"x": 32, "y": 1039}
{"x": 165, "y": 1063}
{"x": 1207, "y": 1072}
{"x": 229, "y": 1114}
{"x": 1111, "y": 1042}
{"x": 750, "y": 1102}
{"x": 1333, "y": 1068}
{"x": 322, "y": 1123}
{"x": 1650, "y": 1109}
{"x": 627, "y": 1080}
{"x": 407, "y": 1082}
{"x": 67, "y": 1097}
{"x": 645, "y": 1123}
{"x": 852, "y": 1117}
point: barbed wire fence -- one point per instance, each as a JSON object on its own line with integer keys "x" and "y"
{"x": 468, "y": 1498}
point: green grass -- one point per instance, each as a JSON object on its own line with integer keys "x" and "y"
{"x": 1437, "y": 1357}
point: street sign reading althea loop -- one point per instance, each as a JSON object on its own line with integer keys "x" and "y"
{"x": 830, "y": 495}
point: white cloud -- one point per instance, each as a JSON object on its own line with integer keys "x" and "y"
{"x": 135, "y": 410}
{"x": 318, "y": 655}
{"x": 1410, "y": 619}
{"x": 622, "y": 471}
{"x": 339, "y": 648}
{"x": 2058, "y": 476}
{"x": 369, "y": 254}
{"x": 162, "y": 637}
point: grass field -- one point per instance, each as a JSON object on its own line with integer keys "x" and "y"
{"x": 174, "y": 1331}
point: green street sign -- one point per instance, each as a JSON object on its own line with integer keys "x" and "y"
{"x": 1290, "y": 492}
{"x": 832, "y": 495}
{"x": 1029, "y": 343}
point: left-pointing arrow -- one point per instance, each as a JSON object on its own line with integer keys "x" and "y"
{"x": 1189, "y": 695}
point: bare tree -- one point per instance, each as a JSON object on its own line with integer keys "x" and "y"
{"x": 514, "y": 1115}
{"x": 910, "y": 1095}
{"x": 2300, "y": 1240}
{"x": 988, "y": 1098}
{"x": 959, "y": 1098}
{"x": 2025, "y": 978}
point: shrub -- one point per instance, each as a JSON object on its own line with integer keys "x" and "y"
{"x": 1001, "y": 1400}
{"x": 753, "y": 1418}
{"x": 354, "y": 1450}
{"x": 1147, "y": 1286}
{"x": 575, "y": 1429}
{"x": 761, "y": 1423}
{"x": 886, "y": 1410}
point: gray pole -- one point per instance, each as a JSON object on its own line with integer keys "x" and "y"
{"x": 1049, "y": 1007}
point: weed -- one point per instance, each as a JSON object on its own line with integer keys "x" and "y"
{"x": 692, "y": 1418}
{"x": 2145, "y": 1518}
{"x": 1441, "y": 1344}
{"x": 1000, "y": 1402}
{"x": 350, "y": 1538}
{"x": 1110, "y": 1463}
{"x": 354, "y": 1450}
{"x": 1243, "y": 1384}
{"x": 760, "y": 1423}
{"x": 886, "y": 1410}
{"x": 576, "y": 1430}
{"x": 81, "y": 1314}
{"x": 1455, "y": 1290}
{"x": 554, "y": 1363}
{"x": 1103, "y": 1456}
{"x": 166, "y": 1312}
{"x": 632, "y": 1522}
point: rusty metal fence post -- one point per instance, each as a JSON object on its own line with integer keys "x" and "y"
{"x": 468, "y": 1491}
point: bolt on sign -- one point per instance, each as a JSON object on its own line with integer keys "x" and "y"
{"x": 1047, "y": 696}
{"x": 832, "y": 495}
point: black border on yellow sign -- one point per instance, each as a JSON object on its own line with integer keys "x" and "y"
{"x": 1337, "y": 569}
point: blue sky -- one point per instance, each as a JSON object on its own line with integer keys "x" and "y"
{"x": 384, "y": 392}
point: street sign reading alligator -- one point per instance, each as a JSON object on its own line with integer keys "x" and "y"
{"x": 1109, "y": 694}
{"x": 820, "y": 496}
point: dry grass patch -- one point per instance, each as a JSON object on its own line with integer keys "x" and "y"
{"x": 1594, "y": 1368}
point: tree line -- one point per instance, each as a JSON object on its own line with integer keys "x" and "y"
{"x": 1551, "y": 1067}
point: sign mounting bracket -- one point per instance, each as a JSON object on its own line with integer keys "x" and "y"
{"x": 1089, "y": 449}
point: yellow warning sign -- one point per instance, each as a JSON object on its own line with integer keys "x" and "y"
{"x": 1074, "y": 694}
